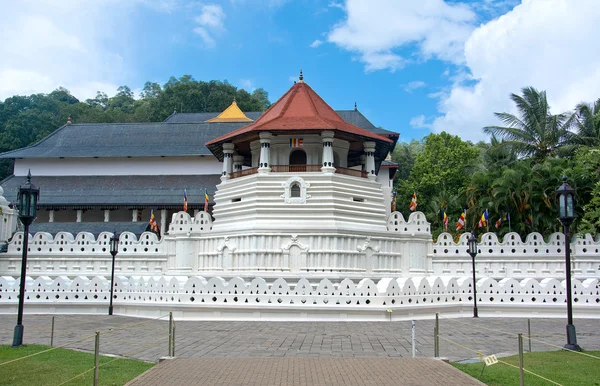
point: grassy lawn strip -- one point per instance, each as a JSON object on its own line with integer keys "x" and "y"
{"x": 563, "y": 367}
{"x": 59, "y": 365}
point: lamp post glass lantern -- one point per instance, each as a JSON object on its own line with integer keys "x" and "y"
{"x": 566, "y": 214}
{"x": 114, "y": 249}
{"x": 27, "y": 200}
{"x": 472, "y": 249}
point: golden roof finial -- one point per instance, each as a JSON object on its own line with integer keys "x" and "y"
{"x": 301, "y": 77}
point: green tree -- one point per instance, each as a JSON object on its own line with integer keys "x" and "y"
{"x": 534, "y": 132}
{"x": 588, "y": 123}
{"x": 439, "y": 171}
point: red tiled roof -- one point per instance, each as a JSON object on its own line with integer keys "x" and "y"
{"x": 301, "y": 108}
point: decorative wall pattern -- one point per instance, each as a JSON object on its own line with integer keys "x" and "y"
{"x": 513, "y": 257}
{"x": 430, "y": 291}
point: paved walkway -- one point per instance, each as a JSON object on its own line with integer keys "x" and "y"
{"x": 304, "y": 371}
{"x": 319, "y": 342}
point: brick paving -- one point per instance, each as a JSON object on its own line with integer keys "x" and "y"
{"x": 280, "y": 342}
{"x": 304, "y": 371}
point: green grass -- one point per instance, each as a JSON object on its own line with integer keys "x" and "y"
{"x": 563, "y": 367}
{"x": 60, "y": 365}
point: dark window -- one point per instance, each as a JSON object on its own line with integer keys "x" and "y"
{"x": 295, "y": 190}
{"x": 298, "y": 157}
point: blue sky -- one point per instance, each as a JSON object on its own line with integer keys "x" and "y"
{"x": 413, "y": 67}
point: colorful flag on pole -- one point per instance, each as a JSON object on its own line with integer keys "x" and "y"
{"x": 152, "y": 225}
{"x": 529, "y": 219}
{"x": 483, "y": 220}
{"x": 205, "y": 200}
{"x": 185, "y": 201}
{"x": 502, "y": 220}
{"x": 445, "y": 221}
{"x": 296, "y": 142}
{"x": 461, "y": 221}
{"x": 394, "y": 201}
{"x": 413, "y": 202}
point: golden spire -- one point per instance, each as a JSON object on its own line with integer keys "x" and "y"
{"x": 231, "y": 114}
{"x": 301, "y": 77}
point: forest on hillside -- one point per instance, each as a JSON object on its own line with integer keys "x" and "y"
{"x": 25, "y": 120}
{"x": 513, "y": 176}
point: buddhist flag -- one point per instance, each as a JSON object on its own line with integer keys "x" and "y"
{"x": 205, "y": 200}
{"x": 394, "y": 201}
{"x": 296, "y": 142}
{"x": 483, "y": 220}
{"x": 445, "y": 221}
{"x": 461, "y": 221}
{"x": 185, "y": 201}
{"x": 502, "y": 220}
{"x": 413, "y": 202}
{"x": 153, "y": 226}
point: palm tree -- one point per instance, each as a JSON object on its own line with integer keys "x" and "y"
{"x": 534, "y": 132}
{"x": 588, "y": 124}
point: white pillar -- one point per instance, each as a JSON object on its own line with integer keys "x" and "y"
{"x": 370, "y": 161}
{"x": 163, "y": 221}
{"x": 134, "y": 215}
{"x": 327, "y": 165}
{"x": 238, "y": 161}
{"x": 227, "y": 160}
{"x": 264, "y": 165}
{"x": 51, "y": 215}
{"x": 79, "y": 215}
{"x": 106, "y": 215}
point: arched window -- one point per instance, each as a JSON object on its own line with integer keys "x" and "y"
{"x": 295, "y": 190}
{"x": 298, "y": 157}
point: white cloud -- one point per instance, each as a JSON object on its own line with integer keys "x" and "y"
{"x": 210, "y": 23}
{"x": 247, "y": 84}
{"x": 212, "y": 16}
{"x": 420, "y": 122}
{"x": 378, "y": 28}
{"x": 316, "y": 43}
{"x": 46, "y": 44}
{"x": 415, "y": 84}
{"x": 547, "y": 44}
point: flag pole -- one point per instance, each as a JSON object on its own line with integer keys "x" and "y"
{"x": 508, "y": 215}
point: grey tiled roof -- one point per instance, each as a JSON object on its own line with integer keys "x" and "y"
{"x": 107, "y": 191}
{"x": 179, "y": 135}
{"x": 356, "y": 118}
{"x": 126, "y": 140}
{"x": 93, "y": 227}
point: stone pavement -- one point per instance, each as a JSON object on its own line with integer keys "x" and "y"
{"x": 304, "y": 371}
{"x": 147, "y": 339}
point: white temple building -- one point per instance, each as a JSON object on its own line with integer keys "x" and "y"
{"x": 299, "y": 225}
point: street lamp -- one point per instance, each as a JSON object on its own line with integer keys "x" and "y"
{"x": 114, "y": 249}
{"x": 472, "y": 242}
{"x": 566, "y": 199}
{"x": 27, "y": 200}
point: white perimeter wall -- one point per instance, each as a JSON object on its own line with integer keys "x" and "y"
{"x": 198, "y": 165}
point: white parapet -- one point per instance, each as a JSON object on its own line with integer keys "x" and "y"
{"x": 197, "y": 297}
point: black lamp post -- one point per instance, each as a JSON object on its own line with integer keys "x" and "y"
{"x": 566, "y": 199}
{"x": 114, "y": 249}
{"x": 473, "y": 252}
{"x": 27, "y": 200}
